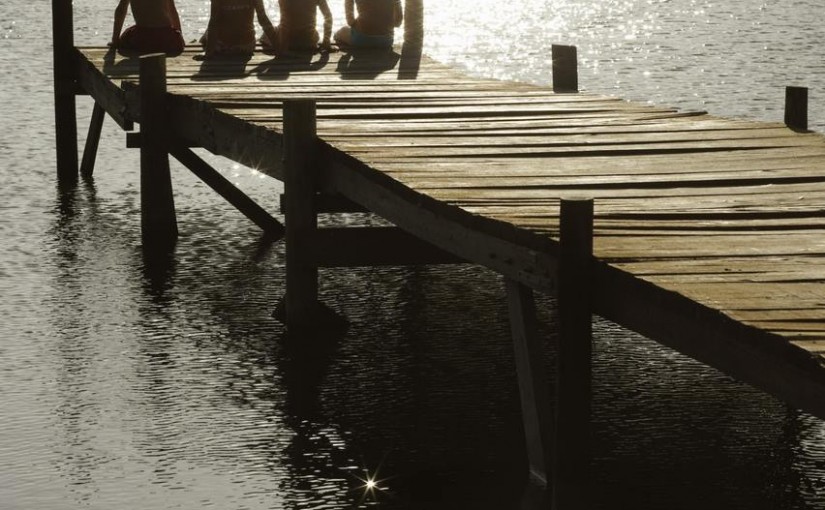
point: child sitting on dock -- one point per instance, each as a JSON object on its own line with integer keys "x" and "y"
{"x": 297, "y": 29}
{"x": 231, "y": 30}
{"x": 375, "y": 25}
{"x": 156, "y": 28}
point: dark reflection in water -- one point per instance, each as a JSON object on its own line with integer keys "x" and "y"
{"x": 174, "y": 386}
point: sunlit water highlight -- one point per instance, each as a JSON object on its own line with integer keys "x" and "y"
{"x": 125, "y": 389}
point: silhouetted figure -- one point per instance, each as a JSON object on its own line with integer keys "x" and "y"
{"x": 231, "y": 29}
{"x": 156, "y": 28}
{"x": 374, "y": 27}
{"x": 297, "y": 29}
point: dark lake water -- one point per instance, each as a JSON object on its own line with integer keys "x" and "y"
{"x": 125, "y": 388}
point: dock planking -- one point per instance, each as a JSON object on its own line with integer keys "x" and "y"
{"x": 708, "y": 232}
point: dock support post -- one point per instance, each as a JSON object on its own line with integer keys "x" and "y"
{"x": 65, "y": 112}
{"x": 796, "y": 108}
{"x": 536, "y": 411}
{"x": 159, "y": 227}
{"x": 301, "y": 300}
{"x": 565, "y": 68}
{"x": 87, "y": 164}
{"x": 571, "y": 447}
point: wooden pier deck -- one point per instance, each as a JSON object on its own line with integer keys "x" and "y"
{"x": 708, "y": 233}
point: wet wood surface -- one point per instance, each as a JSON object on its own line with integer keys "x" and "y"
{"x": 725, "y": 213}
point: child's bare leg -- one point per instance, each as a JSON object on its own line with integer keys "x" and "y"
{"x": 267, "y": 44}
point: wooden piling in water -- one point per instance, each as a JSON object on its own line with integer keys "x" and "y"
{"x": 65, "y": 84}
{"x": 571, "y": 447}
{"x": 536, "y": 412}
{"x": 796, "y": 108}
{"x": 565, "y": 68}
{"x": 159, "y": 227}
{"x": 301, "y": 300}
{"x": 87, "y": 164}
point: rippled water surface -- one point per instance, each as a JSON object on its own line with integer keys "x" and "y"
{"x": 124, "y": 386}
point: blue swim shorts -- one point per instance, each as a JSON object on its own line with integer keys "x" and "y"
{"x": 371, "y": 41}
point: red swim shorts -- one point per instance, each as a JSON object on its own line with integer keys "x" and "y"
{"x": 151, "y": 40}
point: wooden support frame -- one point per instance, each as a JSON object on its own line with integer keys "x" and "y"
{"x": 525, "y": 257}
{"x": 565, "y": 68}
{"x": 374, "y": 246}
{"x": 536, "y": 410}
{"x": 109, "y": 96}
{"x": 159, "y": 227}
{"x": 87, "y": 164}
{"x": 300, "y": 167}
{"x": 65, "y": 87}
{"x": 571, "y": 447}
{"x": 272, "y": 227}
{"x": 796, "y": 108}
{"x": 328, "y": 203}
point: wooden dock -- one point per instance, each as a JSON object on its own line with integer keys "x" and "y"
{"x": 707, "y": 234}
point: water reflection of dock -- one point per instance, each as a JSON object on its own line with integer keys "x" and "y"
{"x": 705, "y": 236}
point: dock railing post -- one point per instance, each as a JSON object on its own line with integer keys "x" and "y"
{"x": 565, "y": 68}
{"x": 65, "y": 112}
{"x": 410, "y": 62}
{"x": 414, "y": 22}
{"x": 301, "y": 221}
{"x": 796, "y": 108}
{"x": 571, "y": 447}
{"x": 159, "y": 227}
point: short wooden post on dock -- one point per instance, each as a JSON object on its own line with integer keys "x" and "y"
{"x": 64, "y": 91}
{"x": 410, "y": 62}
{"x": 301, "y": 300}
{"x": 565, "y": 68}
{"x": 571, "y": 447}
{"x": 159, "y": 227}
{"x": 413, "y": 22}
{"x": 796, "y": 108}
{"x": 536, "y": 411}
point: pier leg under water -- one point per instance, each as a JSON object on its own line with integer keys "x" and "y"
{"x": 572, "y": 445}
{"x": 65, "y": 84}
{"x": 301, "y": 300}
{"x": 159, "y": 226}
